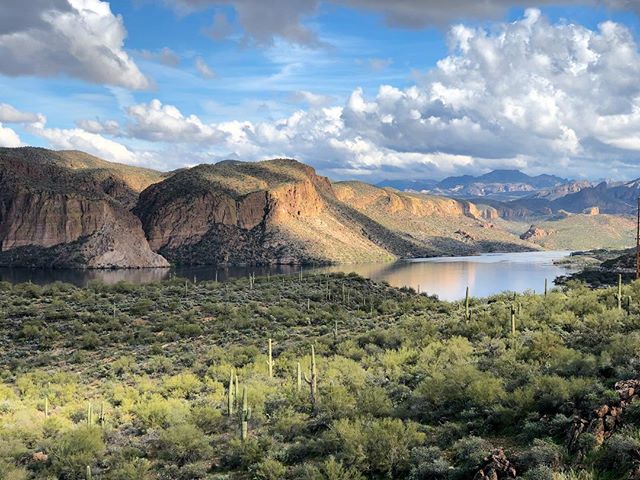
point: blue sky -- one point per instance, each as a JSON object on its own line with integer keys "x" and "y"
{"x": 359, "y": 89}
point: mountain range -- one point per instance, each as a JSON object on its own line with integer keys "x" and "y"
{"x": 498, "y": 184}
{"x": 71, "y": 209}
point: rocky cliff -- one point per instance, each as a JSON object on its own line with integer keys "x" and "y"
{"x": 52, "y": 215}
{"x": 276, "y": 211}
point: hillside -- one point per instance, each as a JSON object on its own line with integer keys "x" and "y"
{"x": 56, "y": 211}
{"x": 445, "y": 226}
{"x": 146, "y": 382}
{"x": 276, "y": 211}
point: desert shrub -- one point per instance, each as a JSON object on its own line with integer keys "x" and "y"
{"x": 73, "y": 450}
{"x": 183, "y": 444}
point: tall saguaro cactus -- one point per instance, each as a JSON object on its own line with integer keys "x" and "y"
{"x": 298, "y": 377}
{"x": 270, "y": 360}
{"x": 230, "y": 396}
{"x": 312, "y": 380}
{"x": 245, "y": 416}
{"x": 619, "y": 292}
{"x": 467, "y": 313}
{"x": 513, "y": 321}
{"x": 545, "y": 287}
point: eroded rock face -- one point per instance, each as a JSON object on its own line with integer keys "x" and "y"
{"x": 206, "y": 216}
{"x": 51, "y": 216}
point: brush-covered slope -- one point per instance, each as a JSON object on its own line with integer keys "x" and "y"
{"x": 69, "y": 209}
{"x": 276, "y": 211}
{"x": 582, "y": 232}
{"x": 433, "y": 224}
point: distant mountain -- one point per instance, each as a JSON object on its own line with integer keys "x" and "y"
{"x": 620, "y": 199}
{"x": 409, "y": 185}
{"x": 498, "y": 184}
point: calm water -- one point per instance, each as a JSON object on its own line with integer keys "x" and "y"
{"x": 446, "y": 277}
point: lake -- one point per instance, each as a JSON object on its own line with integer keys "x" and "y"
{"x": 446, "y": 277}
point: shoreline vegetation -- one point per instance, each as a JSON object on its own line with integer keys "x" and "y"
{"x": 317, "y": 377}
{"x": 599, "y": 268}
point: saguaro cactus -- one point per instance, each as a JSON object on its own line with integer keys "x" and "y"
{"x": 513, "y": 321}
{"x": 46, "y": 407}
{"x": 245, "y": 416}
{"x": 299, "y": 377}
{"x": 312, "y": 380}
{"x": 619, "y": 292}
{"x": 88, "y": 475}
{"x": 102, "y": 418}
{"x": 467, "y": 313}
{"x": 230, "y": 396}
{"x": 545, "y": 287}
{"x": 90, "y": 414}
{"x": 270, "y": 360}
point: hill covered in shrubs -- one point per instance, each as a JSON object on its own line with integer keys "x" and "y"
{"x": 316, "y": 377}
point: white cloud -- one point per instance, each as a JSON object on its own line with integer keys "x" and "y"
{"x": 80, "y": 38}
{"x": 79, "y": 139}
{"x": 10, "y": 114}
{"x": 157, "y": 122}
{"x": 203, "y": 69}
{"x": 9, "y": 138}
{"x": 110, "y": 127}
{"x": 310, "y": 98}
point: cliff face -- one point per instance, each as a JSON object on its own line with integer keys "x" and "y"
{"x": 51, "y": 215}
{"x": 233, "y": 212}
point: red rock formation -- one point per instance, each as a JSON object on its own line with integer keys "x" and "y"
{"x": 53, "y": 216}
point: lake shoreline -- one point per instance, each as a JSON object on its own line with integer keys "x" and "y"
{"x": 447, "y": 277}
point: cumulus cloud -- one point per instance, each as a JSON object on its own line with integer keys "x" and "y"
{"x": 110, "y": 127}
{"x": 204, "y": 70}
{"x": 79, "y": 139}
{"x": 526, "y": 93}
{"x": 263, "y": 21}
{"x": 157, "y": 122}
{"x": 8, "y": 137}
{"x": 80, "y": 38}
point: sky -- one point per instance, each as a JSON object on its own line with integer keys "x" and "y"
{"x": 362, "y": 89}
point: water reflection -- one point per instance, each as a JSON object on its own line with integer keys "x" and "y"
{"x": 446, "y": 277}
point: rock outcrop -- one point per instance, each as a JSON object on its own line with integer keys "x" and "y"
{"x": 606, "y": 419}
{"x": 496, "y": 467}
{"x": 534, "y": 233}
{"x": 55, "y": 216}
